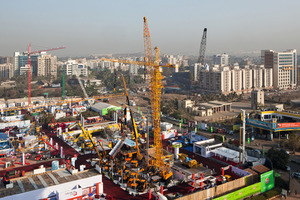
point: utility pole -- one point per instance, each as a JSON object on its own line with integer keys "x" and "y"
{"x": 147, "y": 145}
{"x": 244, "y": 156}
{"x": 63, "y": 83}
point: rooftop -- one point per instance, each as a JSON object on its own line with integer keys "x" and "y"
{"x": 34, "y": 182}
{"x": 101, "y": 105}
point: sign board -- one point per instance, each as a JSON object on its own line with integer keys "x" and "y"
{"x": 288, "y": 125}
{"x": 267, "y": 181}
{"x": 70, "y": 194}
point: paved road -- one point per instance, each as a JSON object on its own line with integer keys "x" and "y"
{"x": 294, "y": 183}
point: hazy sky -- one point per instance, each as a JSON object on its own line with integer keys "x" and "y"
{"x": 176, "y": 26}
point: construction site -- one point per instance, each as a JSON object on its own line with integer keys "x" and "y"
{"x": 120, "y": 153}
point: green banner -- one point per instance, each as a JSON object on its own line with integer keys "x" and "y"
{"x": 195, "y": 129}
{"x": 248, "y": 140}
{"x": 181, "y": 120}
{"x": 211, "y": 129}
{"x": 242, "y": 193}
{"x": 179, "y": 125}
{"x": 267, "y": 181}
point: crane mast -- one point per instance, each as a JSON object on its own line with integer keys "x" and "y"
{"x": 202, "y": 48}
{"x": 153, "y": 68}
{"x": 155, "y": 94}
{"x": 29, "y": 67}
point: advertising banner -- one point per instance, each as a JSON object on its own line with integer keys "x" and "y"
{"x": 288, "y": 125}
{"x": 242, "y": 193}
{"x": 267, "y": 181}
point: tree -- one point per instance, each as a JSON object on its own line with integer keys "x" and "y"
{"x": 279, "y": 157}
{"x": 293, "y": 142}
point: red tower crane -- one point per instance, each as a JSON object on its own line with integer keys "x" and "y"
{"x": 29, "y": 67}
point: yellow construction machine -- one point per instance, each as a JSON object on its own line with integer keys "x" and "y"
{"x": 188, "y": 162}
{"x": 133, "y": 180}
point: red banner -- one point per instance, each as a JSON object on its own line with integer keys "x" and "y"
{"x": 288, "y": 125}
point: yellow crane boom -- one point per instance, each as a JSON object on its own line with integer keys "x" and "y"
{"x": 88, "y": 135}
{"x": 139, "y": 156}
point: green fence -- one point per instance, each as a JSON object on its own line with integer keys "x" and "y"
{"x": 266, "y": 183}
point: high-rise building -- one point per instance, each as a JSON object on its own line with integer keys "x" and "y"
{"x": 221, "y": 59}
{"x": 47, "y": 66}
{"x": 247, "y": 79}
{"x": 237, "y": 83}
{"x": 6, "y": 70}
{"x": 284, "y": 65}
{"x": 227, "y": 80}
{"x": 4, "y": 60}
{"x": 257, "y": 78}
{"x": 21, "y": 60}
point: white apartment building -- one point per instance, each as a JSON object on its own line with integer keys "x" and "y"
{"x": 47, "y": 66}
{"x": 72, "y": 67}
{"x": 227, "y": 80}
{"x": 284, "y": 65}
{"x": 257, "y": 78}
{"x": 237, "y": 83}
{"x": 268, "y": 78}
{"x": 247, "y": 79}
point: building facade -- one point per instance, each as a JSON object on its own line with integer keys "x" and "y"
{"x": 257, "y": 99}
{"x": 226, "y": 80}
{"x": 71, "y": 67}
{"x": 221, "y": 59}
{"x": 284, "y": 65}
{"x": 6, "y": 70}
{"x": 47, "y": 66}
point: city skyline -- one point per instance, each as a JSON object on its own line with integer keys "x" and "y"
{"x": 176, "y": 27}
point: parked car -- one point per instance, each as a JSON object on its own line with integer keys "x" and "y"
{"x": 296, "y": 175}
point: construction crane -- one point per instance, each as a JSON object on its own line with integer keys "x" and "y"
{"x": 202, "y": 48}
{"x": 80, "y": 83}
{"x": 32, "y": 125}
{"x": 139, "y": 156}
{"x": 29, "y": 67}
{"x": 155, "y": 96}
{"x": 88, "y": 135}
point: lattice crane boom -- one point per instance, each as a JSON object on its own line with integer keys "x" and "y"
{"x": 147, "y": 43}
{"x": 202, "y": 48}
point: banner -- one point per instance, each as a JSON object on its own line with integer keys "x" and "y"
{"x": 267, "y": 181}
